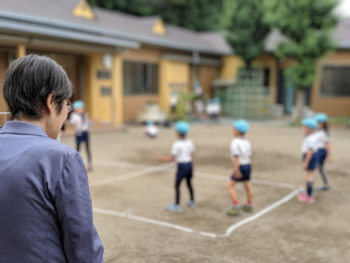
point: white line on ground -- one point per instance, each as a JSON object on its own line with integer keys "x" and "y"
{"x": 120, "y": 164}
{"x": 131, "y": 175}
{"x": 141, "y": 219}
{"x": 208, "y": 234}
{"x": 261, "y": 213}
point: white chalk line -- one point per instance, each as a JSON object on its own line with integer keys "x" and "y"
{"x": 261, "y": 213}
{"x": 141, "y": 219}
{"x": 131, "y": 175}
{"x": 120, "y": 164}
{"x": 198, "y": 174}
{"x": 189, "y": 230}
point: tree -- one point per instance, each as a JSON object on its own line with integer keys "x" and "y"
{"x": 246, "y": 30}
{"x": 198, "y": 15}
{"x": 308, "y": 26}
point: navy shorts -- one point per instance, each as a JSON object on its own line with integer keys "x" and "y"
{"x": 82, "y": 137}
{"x": 313, "y": 163}
{"x": 184, "y": 170}
{"x": 245, "y": 171}
{"x": 322, "y": 155}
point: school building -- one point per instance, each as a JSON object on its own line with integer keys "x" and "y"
{"x": 118, "y": 62}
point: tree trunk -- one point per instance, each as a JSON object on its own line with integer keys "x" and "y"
{"x": 300, "y": 103}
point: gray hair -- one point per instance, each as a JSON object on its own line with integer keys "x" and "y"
{"x": 29, "y": 81}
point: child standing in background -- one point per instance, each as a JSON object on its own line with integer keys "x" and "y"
{"x": 183, "y": 153}
{"x": 309, "y": 156}
{"x": 80, "y": 119}
{"x": 324, "y": 147}
{"x": 240, "y": 153}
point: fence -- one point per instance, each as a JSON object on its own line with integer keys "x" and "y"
{"x": 247, "y": 98}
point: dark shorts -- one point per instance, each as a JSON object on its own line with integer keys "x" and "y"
{"x": 322, "y": 155}
{"x": 313, "y": 163}
{"x": 151, "y": 135}
{"x": 82, "y": 137}
{"x": 245, "y": 171}
{"x": 213, "y": 116}
{"x": 184, "y": 170}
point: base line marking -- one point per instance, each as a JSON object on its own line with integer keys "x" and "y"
{"x": 120, "y": 164}
{"x": 131, "y": 175}
{"x": 261, "y": 213}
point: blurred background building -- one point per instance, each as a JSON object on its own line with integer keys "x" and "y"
{"x": 118, "y": 62}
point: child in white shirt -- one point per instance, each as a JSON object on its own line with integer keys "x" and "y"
{"x": 324, "y": 147}
{"x": 80, "y": 119}
{"x": 240, "y": 153}
{"x": 183, "y": 153}
{"x": 309, "y": 156}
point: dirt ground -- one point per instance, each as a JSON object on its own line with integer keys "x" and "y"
{"x": 292, "y": 232}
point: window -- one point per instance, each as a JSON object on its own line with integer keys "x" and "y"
{"x": 335, "y": 81}
{"x": 266, "y": 77}
{"x": 140, "y": 78}
{"x": 105, "y": 91}
{"x": 103, "y": 74}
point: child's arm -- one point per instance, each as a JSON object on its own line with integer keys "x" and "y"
{"x": 166, "y": 159}
{"x": 236, "y": 171}
{"x": 308, "y": 158}
{"x": 330, "y": 153}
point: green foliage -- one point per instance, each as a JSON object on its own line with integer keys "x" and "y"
{"x": 246, "y": 30}
{"x": 308, "y": 26}
{"x": 198, "y": 15}
{"x": 181, "y": 107}
{"x": 340, "y": 120}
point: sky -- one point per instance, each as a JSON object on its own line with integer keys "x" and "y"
{"x": 344, "y": 8}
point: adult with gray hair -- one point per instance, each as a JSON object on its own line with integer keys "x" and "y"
{"x": 45, "y": 203}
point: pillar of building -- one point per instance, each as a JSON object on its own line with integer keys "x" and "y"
{"x": 21, "y": 50}
{"x": 117, "y": 90}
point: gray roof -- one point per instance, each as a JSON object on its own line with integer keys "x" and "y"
{"x": 54, "y": 17}
{"x": 341, "y": 36}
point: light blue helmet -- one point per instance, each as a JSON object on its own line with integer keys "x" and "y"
{"x": 182, "y": 127}
{"x": 78, "y": 104}
{"x": 310, "y": 123}
{"x": 216, "y": 100}
{"x": 321, "y": 117}
{"x": 150, "y": 123}
{"x": 241, "y": 125}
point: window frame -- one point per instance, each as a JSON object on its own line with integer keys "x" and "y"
{"x": 321, "y": 92}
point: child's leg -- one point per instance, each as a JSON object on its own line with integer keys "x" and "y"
{"x": 88, "y": 151}
{"x": 177, "y": 191}
{"x": 323, "y": 173}
{"x": 309, "y": 182}
{"x": 78, "y": 141}
{"x": 249, "y": 191}
{"x": 190, "y": 189}
{"x": 232, "y": 192}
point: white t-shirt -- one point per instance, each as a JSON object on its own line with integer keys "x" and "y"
{"x": 78, "y": 122}
{"x": 173, "y": 100}
{"x": 182, "y": 150}
{"x": 240, "y": 147}
{"x": 152, "y": 130}
{"x": 309, "y": 143}
{"x": 216, "y": 108}
{"x": 321, "y": 139}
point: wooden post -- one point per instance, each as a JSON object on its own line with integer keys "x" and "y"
{"x": 21, "y": 50}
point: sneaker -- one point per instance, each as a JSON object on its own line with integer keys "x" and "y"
{"x": 235, "y": 210}
{"x": 304, "y": 198}
{"x": 191, "y": 204}
{"x": 324, "y": 188}
{"x": 174, "y": 208}
{"x": 247, "y": 208}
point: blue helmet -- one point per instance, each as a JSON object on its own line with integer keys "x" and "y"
{"x": 321, "y": 117}
{"x": 216, "y": 100}
{"x": 241, "y": 125}
{"x": 182, "y": 127}
{"x": 150, "y": 123}
{"x": 310, "y": 123}
{"x": 78, "y": 104}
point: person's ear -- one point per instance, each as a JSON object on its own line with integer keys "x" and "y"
{"x": 50, "y": 103}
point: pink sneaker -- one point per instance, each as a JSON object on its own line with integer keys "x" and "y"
{"x": 302, "y": 197}
{"x": 311, "y": 199}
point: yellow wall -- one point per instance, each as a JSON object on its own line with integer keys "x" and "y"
{"x": 99, "y": 107}
{"x": 171, "y": 72}
{"x": 231, "y": 65}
